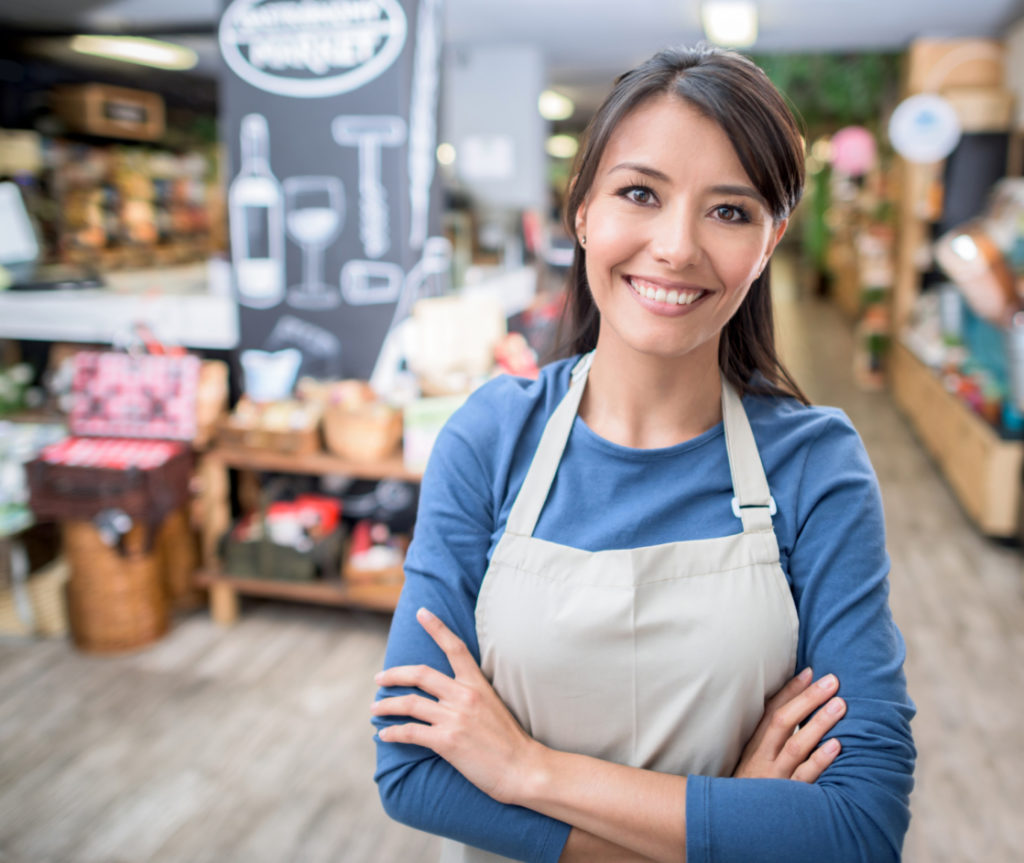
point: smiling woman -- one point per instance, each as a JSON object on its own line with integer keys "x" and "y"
{"x": 619, "y": 568}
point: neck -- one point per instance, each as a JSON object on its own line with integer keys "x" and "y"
{"x": 646, "y": 402}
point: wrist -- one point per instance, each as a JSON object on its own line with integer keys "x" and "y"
{"x": 533, "y": 774}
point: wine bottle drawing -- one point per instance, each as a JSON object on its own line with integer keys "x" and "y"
{"x": 315, "y": 209}
{"x": 256, "y": 218}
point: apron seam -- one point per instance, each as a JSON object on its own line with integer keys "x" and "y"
{"x": 540, "y": 573}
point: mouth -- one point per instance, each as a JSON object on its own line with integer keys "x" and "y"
{"x": 668, "y": 297}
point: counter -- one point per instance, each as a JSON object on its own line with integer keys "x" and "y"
{"x": 187, "y": 305}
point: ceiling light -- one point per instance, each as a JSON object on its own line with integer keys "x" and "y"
{"x": 134, "y": 49}
{"x": 555, "y": 106}
{"x": 732, "y": 23}
{"x": 562, "y": 146}
{"x": 446, "y": 153}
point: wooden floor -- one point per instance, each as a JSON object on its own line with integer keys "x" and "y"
{"x": 252, "y": 744}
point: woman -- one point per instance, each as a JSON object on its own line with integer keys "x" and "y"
{"x": 627, "y": 544}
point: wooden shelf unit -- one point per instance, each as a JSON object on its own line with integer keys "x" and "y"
{"x": 215, "y": 519}
{"x": 983, "y": 470}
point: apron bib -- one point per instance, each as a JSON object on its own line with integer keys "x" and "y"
{"x": 658, "y": 657}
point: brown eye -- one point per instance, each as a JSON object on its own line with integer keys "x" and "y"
{"x": 640, "y": 195}
{"x": 729, "y": 213}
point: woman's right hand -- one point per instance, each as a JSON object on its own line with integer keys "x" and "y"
{"x": 778, "y": 750}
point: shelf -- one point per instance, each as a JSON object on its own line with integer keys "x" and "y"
{"x": 313, "y": 463}
{"x": 983, "y": 470}
{"x": 372, "y": 597}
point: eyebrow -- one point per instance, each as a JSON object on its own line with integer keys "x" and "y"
{"x": 722, "y": 189}
{"x": 745, "y": 191}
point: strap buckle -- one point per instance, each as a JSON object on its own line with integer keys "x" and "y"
{"x": 772, "y": 508}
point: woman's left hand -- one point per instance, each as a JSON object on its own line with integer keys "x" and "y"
{"x": 468, "y": 725}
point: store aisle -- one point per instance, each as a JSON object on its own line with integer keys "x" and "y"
{"x": 252, "y": 744}
{"x": 958, "y": 599}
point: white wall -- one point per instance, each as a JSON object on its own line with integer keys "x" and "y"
{"x": 489, "y": 113}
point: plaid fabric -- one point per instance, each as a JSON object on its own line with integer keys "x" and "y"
{"x": 122, "y": 395}
{"x": 119, "y": 453}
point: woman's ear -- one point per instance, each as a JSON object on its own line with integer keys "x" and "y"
{"x": 580, "y": 224}
{"x": 778, "y": 233}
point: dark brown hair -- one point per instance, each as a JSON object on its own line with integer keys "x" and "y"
{"x": 733, "y": 92}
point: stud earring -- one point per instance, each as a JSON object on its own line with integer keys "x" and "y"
{"x": 583, "y": 240}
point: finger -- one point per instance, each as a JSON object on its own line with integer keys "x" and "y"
{"x": 791, "y": 690}
{"x": 821, "y": 758}
{"x": 410, "y": 732}
{"x": 800, "y": 745}
{"x": 462, "y": 661}
{"x": 414, "y": 706}
{"x": 422, "y": 677}
{"x": 786, "y": 718}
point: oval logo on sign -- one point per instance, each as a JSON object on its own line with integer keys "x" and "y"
{"x": 309, "y": 49}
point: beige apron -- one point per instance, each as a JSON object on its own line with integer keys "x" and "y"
{"x": 659, "y": 657}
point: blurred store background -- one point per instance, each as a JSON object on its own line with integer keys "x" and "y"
{"x": 254, "y": 253}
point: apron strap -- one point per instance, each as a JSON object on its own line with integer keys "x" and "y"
{"x": 753, "y": 502}
{"x": 534, "y": 492}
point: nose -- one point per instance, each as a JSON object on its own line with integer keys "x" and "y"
{"x": 675, "y": 238}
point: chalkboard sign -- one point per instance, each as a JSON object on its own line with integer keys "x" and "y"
{"x": 329, "y": 110}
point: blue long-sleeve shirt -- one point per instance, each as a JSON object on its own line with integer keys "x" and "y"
{"x": 831, "y": 538}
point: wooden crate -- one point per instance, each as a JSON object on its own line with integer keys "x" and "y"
{"x": 116, "y": 112}
{"x": 937, "y": 64}
{"x": 295, "y": 442}
{"x": 983, "y": 470}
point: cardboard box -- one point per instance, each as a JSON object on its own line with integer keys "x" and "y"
{"x": 935, "y": 65}
{"x": 982, "y": 109}
{"x": 114, "y": 112}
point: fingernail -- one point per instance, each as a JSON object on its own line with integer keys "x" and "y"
{"x": 384, "y": 733}
{"x": 828, "y": 681}
{"x": 378, "y": 677}
{"x": 423, "y": 612}
{"x": 835, "y": 706}
{"x": 805, "y": 675}
{"x": 831, "y": 746}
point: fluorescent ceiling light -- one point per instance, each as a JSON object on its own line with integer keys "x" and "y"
{"x": 134, "y": 49}
{"x": 732, "y": 23}
{"x": 562, "y": 146}
{"x": 555, "y": 106}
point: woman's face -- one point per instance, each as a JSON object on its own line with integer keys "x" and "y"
{"x": 675, "y": 233}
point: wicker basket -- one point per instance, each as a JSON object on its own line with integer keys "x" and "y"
{"x": 73, "y": 492}
{"x": 365, "y": 433}
{"x": 178, "y": 549}
{"x": 116, "y": 601}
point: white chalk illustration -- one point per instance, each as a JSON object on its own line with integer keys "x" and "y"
{"x": 430, "y": 277}
{"x": 311, "y": 50}
{"x": 315, "y": 208}
{"x": 370, "y": 134}
{"x": 423, "y": 118}
{"x": 321, "y": 349}
{"x": 366, "y": 283}
{"x": 256, "y": 220}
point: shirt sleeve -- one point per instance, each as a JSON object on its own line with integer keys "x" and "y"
{"x": 858, "y": 810}
{"x": 443, "y": 572}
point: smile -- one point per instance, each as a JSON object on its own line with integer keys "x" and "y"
{"x": 667, "y": 296}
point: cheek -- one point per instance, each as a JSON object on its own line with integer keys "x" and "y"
{"x": 738, "y": 266}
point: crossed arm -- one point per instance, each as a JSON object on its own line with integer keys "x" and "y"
{"x": 617, "y": 813}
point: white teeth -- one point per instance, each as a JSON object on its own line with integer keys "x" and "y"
{"x": 660, "y": 295}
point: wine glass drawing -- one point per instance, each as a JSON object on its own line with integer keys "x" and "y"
{"x": 315, "y": 210}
